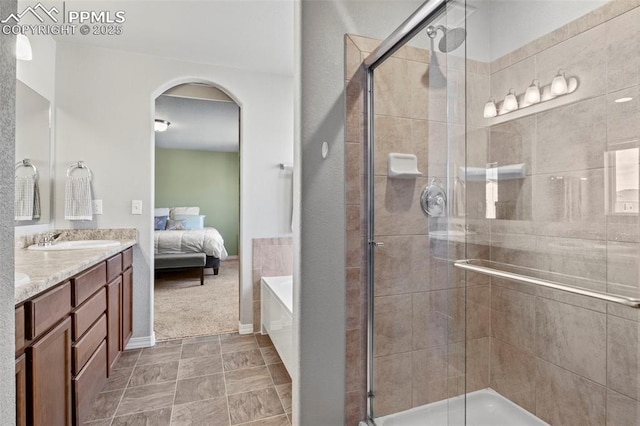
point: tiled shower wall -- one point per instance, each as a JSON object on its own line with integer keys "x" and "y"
{"x": 568, "y": 359}
{"x": 272, "y": 257}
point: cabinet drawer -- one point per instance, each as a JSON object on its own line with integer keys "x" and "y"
{"x": 85, "y": 347}
{"x": 114, "y": 267}
{"x": 46, "y": 310}
{"x": 127, "y": 258}
{"x": 88, "y": 383}
{"x": 88, "y": 282}
{"x": 20, "y": 330}
{"x": 88, "y": 313}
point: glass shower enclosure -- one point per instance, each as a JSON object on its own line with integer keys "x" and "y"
{"x": 503, "y": 215}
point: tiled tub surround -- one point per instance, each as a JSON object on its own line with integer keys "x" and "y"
{"x": 48, "y": 268}
{"x": 272, "y": 257}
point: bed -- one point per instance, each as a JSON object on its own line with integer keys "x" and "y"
{"x": 174, "y": 239}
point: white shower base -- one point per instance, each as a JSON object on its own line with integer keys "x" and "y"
{"x": 485, "y": 407}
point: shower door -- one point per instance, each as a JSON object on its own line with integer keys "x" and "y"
{"x": 418, "y": 335}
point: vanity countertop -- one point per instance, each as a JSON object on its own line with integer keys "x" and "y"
{"x": 48, "y": 268}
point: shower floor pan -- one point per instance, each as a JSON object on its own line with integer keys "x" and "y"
{"x": 485, "y": 407}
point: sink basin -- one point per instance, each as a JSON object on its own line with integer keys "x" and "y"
{"x": 76, "y": 245}
{"x": 21, "y": 279}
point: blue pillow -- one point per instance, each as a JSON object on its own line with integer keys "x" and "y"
{"x": 191, "y": 221}
{"x": 160, "y": 223}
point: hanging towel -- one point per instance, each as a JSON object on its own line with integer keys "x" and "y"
{"x": 27, "y": 199}
{"x": 78, "y": 198}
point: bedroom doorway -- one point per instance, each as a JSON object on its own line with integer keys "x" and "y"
{"x": 197, "y": 212}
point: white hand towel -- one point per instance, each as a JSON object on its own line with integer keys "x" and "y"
{"x": 78, "y": 198}
{"x": 24, "y": 200}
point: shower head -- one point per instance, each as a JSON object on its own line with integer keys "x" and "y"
{"x": 452, "y": 37}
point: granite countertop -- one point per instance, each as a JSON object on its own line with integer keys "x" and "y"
{"x": 48, "y": 268}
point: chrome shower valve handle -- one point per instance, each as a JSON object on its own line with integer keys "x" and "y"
{"x": 433, "y": 199}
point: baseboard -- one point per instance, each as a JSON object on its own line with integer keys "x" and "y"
{"x": 231, "y": 258}
{"x": 245, "y": 328}
{"x": 141, "y": 342}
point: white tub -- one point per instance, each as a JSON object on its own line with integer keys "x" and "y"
{"x": 276, "y": 312}
{"x": 485, "y": 407}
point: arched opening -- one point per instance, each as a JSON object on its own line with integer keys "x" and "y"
{"x": 196, "y": 195}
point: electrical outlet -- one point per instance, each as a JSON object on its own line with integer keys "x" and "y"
{"x": 136, "y": 206}
{"x": 96, "y": 206}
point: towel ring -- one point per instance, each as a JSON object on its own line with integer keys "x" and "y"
{"x": 78, "y": 165}
{"x": 27, "y": 163}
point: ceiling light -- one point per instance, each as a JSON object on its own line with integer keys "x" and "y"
{"x": 161, "y": 125}
{"x": 23, "y": 48}
{"x": 623, "y": 100}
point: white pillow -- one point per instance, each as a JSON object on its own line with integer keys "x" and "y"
{"x": 161, "y": 211}
{"x": 184, "y": 211}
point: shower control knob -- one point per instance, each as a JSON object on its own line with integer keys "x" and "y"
{"x": 433, "y": 199}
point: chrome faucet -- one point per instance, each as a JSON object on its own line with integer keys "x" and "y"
{"x": 48, "y": 238}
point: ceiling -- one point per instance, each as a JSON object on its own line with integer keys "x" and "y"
{"x": 247, "y": 34}
{"x": 198, "y": 124}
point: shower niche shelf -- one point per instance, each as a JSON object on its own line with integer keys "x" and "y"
{"x": 403, "y": 166}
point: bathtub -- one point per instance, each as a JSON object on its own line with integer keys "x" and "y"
{"x": 485, "y": 407}
{"x": 276, "y": 316}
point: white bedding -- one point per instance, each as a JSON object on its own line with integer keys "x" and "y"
{"x": 207, "y": 241}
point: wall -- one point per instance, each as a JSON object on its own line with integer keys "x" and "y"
{"x": 568, "y": 359}
{"x": 7, "y": 152}
{"x": 96, "y": 87}
{"x": 321, "y": 286}
{"x": 209, "y": 180}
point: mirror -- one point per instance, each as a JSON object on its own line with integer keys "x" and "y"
{"x": 33, "y": 137}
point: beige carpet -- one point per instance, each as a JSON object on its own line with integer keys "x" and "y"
{"x": 184, "y": 308}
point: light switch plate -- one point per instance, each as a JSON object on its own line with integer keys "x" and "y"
{"x": 136, "y": 206}
{"x": 97, "y": 206}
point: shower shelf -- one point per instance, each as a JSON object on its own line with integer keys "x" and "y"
{"x": 491, "y": 269}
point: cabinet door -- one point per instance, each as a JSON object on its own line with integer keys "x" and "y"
{"x": 21, "y": 391}
{"x": 127, "y": 306}
{"x": 114, "y": 314}
{"x": 49, "y": 362}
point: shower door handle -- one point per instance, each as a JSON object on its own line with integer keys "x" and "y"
{"x": 376, "y": 243}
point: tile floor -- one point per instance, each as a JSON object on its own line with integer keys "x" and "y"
{"x": 220, "y": 380}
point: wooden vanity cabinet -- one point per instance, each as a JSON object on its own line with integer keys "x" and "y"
{"x": 68, "y": 338}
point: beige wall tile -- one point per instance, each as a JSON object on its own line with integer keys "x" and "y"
{"x": 392, "y": 381}
{"x": 564, "y": 398}
{"x": 580, "y": 56}
{"x": 431, "y": 313}
{"x": 623, "y": 50}
{"x": 400, "y": 90}
{"x": 513, "y": 318}
{"x": 623, "y": 362}
{"x": 513, "y": 373}
{"x": 397, "y": 207}
{"x": 573, "y": 338}
{"x": 571, "y": 137}
{"x": 353, "y": 378}
{"x": 622, "y": 411}
{"x": 354, "y": 165}
{"x": 354, "y": 298}
{"x": 392, "y": 325}
{"x": 355, "y": 407}
{"x": 392, "y": 134}
{"x": 352, "y": 59}
{"x": 478, "y": 311}
{"x": 478, "y": 363}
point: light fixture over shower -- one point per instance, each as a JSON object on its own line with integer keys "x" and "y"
{"x": 23, "y": 48}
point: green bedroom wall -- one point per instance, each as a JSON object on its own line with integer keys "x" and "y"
{"x": 210, "y": 180}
